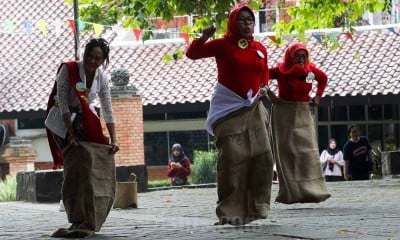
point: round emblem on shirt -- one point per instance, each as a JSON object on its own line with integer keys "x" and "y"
{"x": 80, "y": 86}
{"x": 260, "y": 54}
{"x": 310, "y": 77}
{"x": 243, "y": 43}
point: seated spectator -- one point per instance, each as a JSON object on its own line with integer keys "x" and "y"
{"x": 332, "y": 162}
{"x": 178, "y": 166}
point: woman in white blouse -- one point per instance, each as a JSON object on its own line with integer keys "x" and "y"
{"x": 332, "y": 162}
{"x": 77, "y": 141}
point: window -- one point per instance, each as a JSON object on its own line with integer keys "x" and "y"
{"x": 375, "y": 112}
{"x": 166, "y": 33}
{"x": 323, "y": 113}
{"x": 339, "y": 113}
{"x": 157, "y": 145}
{"x": 339, "y": 132}
{"x": 391, "y": 140}
{"x": 323, "y": 137}
{"x": 190, "y": 141}
{"x": 156, "y": 148}
{"x": 391, "y": 112}
{"x": 31, "y": 123}
{"x": 375, "y": 135}
{"x": 357, "y": 113}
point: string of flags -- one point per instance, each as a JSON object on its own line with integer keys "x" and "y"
{"x": 9, "y": 27}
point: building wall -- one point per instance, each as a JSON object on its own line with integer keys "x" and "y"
{"x": 128, "y": 113}
{"x": 157, "y": 173}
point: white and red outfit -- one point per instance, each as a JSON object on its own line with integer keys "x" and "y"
{"x": 241, "y": 72}
{"x": 240, "y": 124}
{"x": 88, "y": 188}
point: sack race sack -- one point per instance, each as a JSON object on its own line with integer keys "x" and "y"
{"x": 297, "y": 158}
{"x": 89, "y": 183}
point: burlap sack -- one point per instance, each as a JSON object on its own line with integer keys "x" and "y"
{"x": 296, "y": 153}
{"x": 89, "y": 183}
{"x": 244, "y": 165}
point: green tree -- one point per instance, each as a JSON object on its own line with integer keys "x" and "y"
{"x": 308, "y": 14}
{"x": 142, "y": 13}
{"x": 317, "y": 14}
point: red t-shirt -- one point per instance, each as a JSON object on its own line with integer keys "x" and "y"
{"x": 238, "y": 69}
{"x": 294, "y": 87}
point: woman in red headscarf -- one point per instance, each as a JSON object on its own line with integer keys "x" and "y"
{"x": 238, "y": 119}
{"x": 296, "y": 149}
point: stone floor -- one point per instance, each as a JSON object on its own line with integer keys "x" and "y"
{"x": 356, "y": 210}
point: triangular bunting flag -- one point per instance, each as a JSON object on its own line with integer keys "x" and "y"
{"x": 391, "y": 29}
{"x": 273, "y": 39}
{"x": 318, "y": 37}
{"x": 333, "y": 37}
{"x": 28, "y": 27}
{"x": 42, "y": 26}
{"x": 72, "y": 25}
{"x": 185, "y": 36}
{"x": 10, "y": 26}
{"x": 137, "y": 32}
{"x": 349, "y": 36}
{"x": 98, "y": 29}
{"x": 81, "y": 25}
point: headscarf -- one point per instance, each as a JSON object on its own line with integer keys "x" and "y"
{"x": 232, "y": 32}
{"x": 332, "y": 152}
{"x": 181, "y": 156}
{"x": 329, "y": 149}
{"x": 290, "y": 68}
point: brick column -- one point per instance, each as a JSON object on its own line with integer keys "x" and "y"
{"x": 20, "y": 155}
{"x": 128, "y": 113}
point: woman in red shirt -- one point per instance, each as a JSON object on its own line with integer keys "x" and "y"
{"x": 297, "y": 155}
{"x": 178, "y": 166}
{"x": 238, "y": 119}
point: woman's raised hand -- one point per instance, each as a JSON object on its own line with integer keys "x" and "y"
{"x": 208, "y": 32}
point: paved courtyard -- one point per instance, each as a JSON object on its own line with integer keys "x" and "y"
{"x": 356, "y": 210}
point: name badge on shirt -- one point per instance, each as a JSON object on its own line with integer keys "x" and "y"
{"x": 310, "y": 77}
{"x": 80, "y": 86}
{"x": 260, "y": 54}
{"x": 243, "y": 43}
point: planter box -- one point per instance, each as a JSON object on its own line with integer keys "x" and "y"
{"x": 391, "y": 164}
{"x": 46, "y": 185}
{"x": 39, "y": 186}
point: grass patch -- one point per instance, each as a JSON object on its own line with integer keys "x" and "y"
{"x": 8, "y": 189}
{"x": 158, "y": 183}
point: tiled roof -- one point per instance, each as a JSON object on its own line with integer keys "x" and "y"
{"x": 28, "y": 64}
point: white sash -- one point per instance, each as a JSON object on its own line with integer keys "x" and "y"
{"x": 225, "y": 101}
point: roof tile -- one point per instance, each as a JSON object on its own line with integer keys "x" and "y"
{"x": 28, "y": 64}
